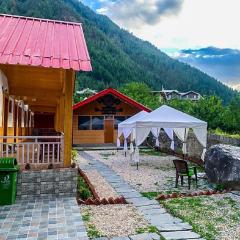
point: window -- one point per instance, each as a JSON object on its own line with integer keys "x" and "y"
{"x": 117, "y": 120}
{"x": 84, "y": 122}
{"x": 97, "y": 122}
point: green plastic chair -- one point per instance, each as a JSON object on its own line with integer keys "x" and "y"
{"x": 182, "y": 170}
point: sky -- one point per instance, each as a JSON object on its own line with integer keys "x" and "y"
{"x": 203, "y": 33}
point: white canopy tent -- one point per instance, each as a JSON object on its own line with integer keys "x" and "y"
{"x": 125, "y": 128}
{"x": 171, "y": 120}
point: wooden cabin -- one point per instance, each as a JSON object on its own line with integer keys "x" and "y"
{"x": 38, "y": 62}
{"x": 95, "y": 119}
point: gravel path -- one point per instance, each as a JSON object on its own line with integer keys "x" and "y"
{"x": 102, "y": 187}
{"x": 114, "y": 220}
{"x": 155, "y": 173}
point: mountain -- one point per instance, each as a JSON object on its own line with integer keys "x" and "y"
{"x": 221, "y": 63}
{"x": 118, "y": 57}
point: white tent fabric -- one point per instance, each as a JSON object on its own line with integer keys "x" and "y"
{"x": 126, "y": 128}
{"x": 169, "y": 132}
{"x": 167, "y": 117}
{"x": 156, "y": 132}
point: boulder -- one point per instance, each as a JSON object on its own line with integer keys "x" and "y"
{"x": 222, "y": 165}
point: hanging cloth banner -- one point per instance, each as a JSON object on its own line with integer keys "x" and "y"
{"x": 131, "y": 148}
{"x": 182, "y": 134}
{"x": 126, "y": 132}
{"x": 125, "y": 145}
{"x": 136, "y": 155}
{"x": 169, "y": 132}
{"x": 131, "y": 151}
{"x": 201, "y": 134}
{"x": 156, "y": 132}
{"x": 118, "y": 143}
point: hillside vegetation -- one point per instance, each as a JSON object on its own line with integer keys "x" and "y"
{"x": 117, "y": 56}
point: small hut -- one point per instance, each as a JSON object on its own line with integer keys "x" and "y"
{"x": 96, "y": 118}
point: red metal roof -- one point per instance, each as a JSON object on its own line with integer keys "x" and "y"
{"x": 42, "y": 42}
{"x": 114, "y": 93}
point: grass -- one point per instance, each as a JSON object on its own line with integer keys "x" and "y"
{"x": 205, "y": 214}
{"x": 92, "y": 232}
{"x": 150, "y": 195}
{"x": 152, "y": 152}
{"x": 83, "y": 189}
{"x": 107, "y": 155}
{"x": 218, "y": 131}
{"x": 149, "y": 229}
{"x": 153, "y": 195}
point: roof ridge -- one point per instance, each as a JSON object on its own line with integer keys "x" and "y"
{"x": 40, "y": 19}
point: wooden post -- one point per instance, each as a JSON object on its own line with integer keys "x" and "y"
{"x": 68, "y": 113}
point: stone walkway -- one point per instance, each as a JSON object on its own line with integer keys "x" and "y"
{"x": 40, "y": 219}
{"x": 168, "y": 226}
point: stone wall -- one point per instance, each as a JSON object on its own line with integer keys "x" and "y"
{"x": 51, "y": 182}
{"x": 194, "y": 148}
{"x": 216, "y": 139}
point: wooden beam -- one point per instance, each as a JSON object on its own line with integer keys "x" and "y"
{"x": 69, "y": 83}
{"x": 43, "y": 109}
{"x": 37, "y": 92}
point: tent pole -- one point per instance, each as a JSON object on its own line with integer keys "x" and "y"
{"x": 184, "y": 142}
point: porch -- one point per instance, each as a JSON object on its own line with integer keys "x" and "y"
{"x": 37, "y": 150}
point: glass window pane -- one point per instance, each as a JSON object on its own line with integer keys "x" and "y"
{"x": 117, "y": 120}
{"x": 97, "y": 122}
{"x": 83, "y": 122}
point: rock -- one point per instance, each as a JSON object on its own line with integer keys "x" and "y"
{"x": 222, "y": 165}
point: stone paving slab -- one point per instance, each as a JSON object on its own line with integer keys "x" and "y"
{"x": 179, "y": 235}
{"x": 120, "y": 238}
{"x": 152, "y": 212}
{"x": 133, "y": 194}
{"x": 42, "y": 218}
{"x": 145, "y": 236}
{"x": 143, "y": 201}
{"x": 164, "y": 218}
{"x": 174, "y": 227}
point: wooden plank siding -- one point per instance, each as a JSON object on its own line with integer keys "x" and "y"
{"x": 97, "y": 136}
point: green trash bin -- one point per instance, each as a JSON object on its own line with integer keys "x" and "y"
{"x": 8, "y": 180}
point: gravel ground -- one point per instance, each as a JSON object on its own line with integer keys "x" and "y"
{"x": 102, "y": 187}
{"x": 114, "y": 220}
{"x": 156, "y": 173}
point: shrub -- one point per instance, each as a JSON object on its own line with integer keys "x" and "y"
{"x": 83, "y": 189}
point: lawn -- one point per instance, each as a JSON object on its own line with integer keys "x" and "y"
{"x": 152, "y": 152}
{"x": 213, "y": 217}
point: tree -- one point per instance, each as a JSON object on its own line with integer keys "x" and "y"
{"x": 140, "y": 92}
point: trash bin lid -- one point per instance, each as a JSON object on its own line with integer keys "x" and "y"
{"x": 8, "y": 163}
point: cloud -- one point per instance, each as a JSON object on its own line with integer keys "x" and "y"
{"x": 221, "y": 63}
{"x": 135, "y": 13}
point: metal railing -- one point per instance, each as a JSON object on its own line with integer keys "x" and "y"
{"x": 33, "y": 149}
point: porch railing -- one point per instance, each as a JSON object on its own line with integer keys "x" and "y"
{"x": 33, "y": 149}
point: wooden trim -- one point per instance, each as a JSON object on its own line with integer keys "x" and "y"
{"x": 68, "y": 113}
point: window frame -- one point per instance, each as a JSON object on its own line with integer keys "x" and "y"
{"x": 86, "y": 116}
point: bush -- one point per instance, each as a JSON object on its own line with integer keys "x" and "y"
{"x": 83, "y": 189}
{"x": 74, "y": 155}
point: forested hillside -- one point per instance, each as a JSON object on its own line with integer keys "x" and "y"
{"x": 117, "y": 56}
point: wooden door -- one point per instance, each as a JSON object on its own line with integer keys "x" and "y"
{"x": 108, "y": 130}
